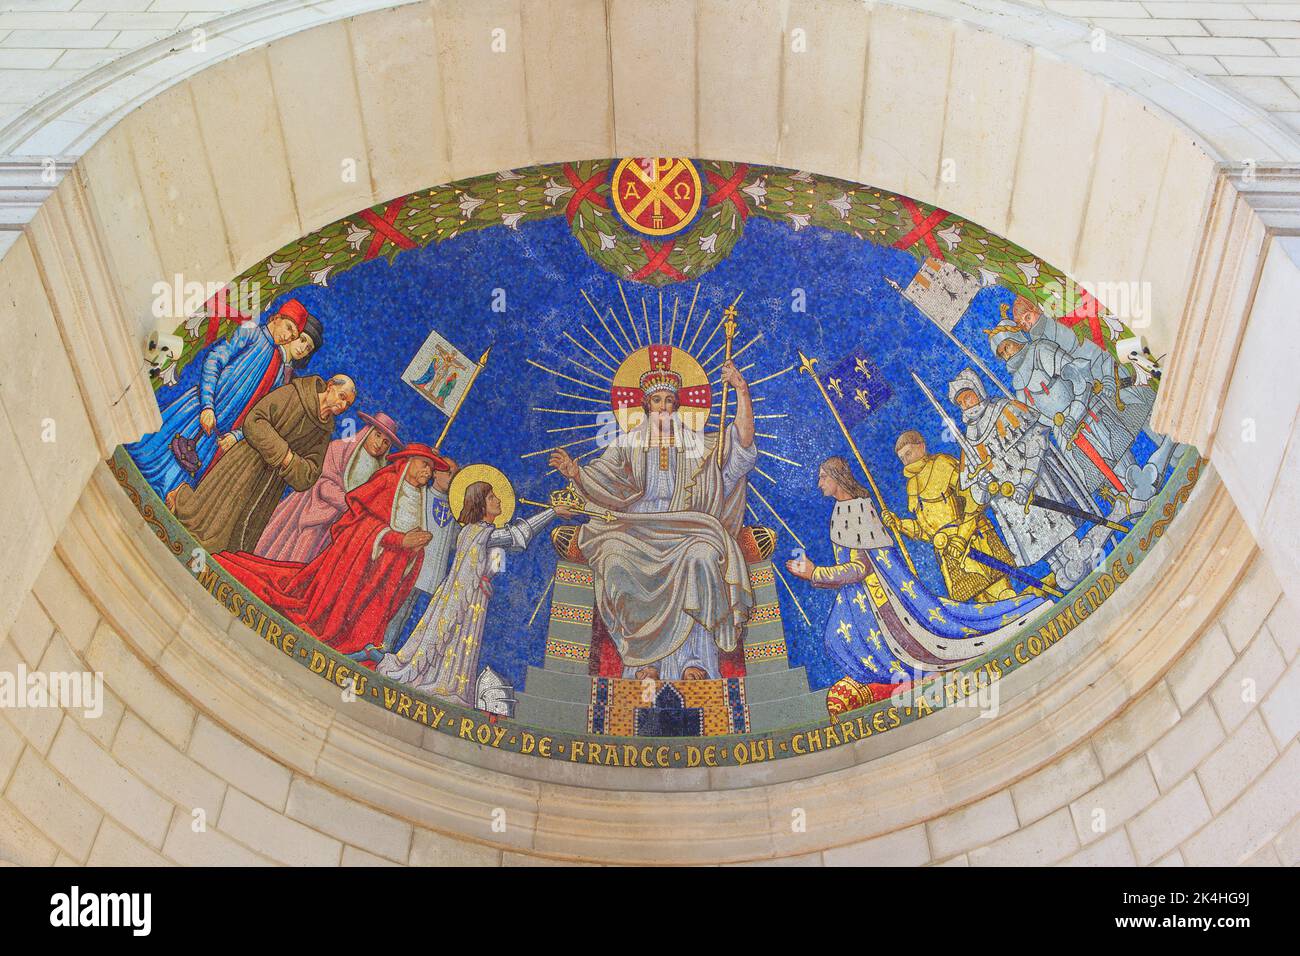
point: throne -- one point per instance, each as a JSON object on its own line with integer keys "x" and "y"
{"x": 575, "y": 691}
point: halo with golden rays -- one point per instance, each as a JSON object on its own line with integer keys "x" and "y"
{"x": 697, "y": 354}
{"x": 501, "y": 487}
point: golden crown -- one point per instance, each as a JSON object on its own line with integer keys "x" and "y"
{"x": 569, "y": 496}
{"x": 659, "y": 380}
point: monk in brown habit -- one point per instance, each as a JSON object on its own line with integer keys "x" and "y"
{"x": 285, "y": 437}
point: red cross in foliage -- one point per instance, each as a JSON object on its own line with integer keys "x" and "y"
{"x": 923, "y": 229}
{"x": 217, "y": 308}
{"x": 728, "y": 189}
{"x": 1090, "y": 309}
{"x": 584, "y": 189}
{"x": 385, "y": 231}
{"x": 657, "y": 257}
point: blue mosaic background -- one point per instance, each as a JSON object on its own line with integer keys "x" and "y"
{"x": 376, "y": 316}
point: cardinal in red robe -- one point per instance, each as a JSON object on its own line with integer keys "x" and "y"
{"x": 347, "y": 594}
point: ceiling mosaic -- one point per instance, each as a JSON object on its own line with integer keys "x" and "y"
{"x": 658, "y": 462}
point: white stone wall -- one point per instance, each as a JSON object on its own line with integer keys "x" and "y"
{"x": 1251, "y": 48}
{"x": 1142, "y": 716}
{"x": 1197, "y": 769}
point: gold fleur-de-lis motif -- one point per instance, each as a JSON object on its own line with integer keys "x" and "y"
{"x": 861, "y": 601}
{"x": 862, "y": 366}
{"x": 874, "y": 637}
{"x": 845, "y": 631}
{"x": 862, "y": 398}
{"x": 937, "y": 615}
{"x": 908, "y": 587}
{"x": 834, "y": 385}
{"x": 870, "y": 663}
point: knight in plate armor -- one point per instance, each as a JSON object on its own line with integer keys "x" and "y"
{"x": 1087, "y": 425}
{"x": 1103, "y": 403}
{"x": 1008, "y": 449}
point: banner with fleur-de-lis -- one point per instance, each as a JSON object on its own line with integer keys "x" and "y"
{"x": 857, "y": 388}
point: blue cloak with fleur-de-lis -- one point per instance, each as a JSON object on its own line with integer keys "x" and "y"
{"x": 855, "y": 631}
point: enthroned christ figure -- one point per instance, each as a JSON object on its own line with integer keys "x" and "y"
{"x": 672, "y": 585}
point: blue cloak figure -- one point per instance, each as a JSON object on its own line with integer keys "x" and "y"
{"x": 235, "y": 374}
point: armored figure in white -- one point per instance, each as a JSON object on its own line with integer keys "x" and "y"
{"x": 1091, "y": 421}
{"x": 1118, "y": 408}
{"x": 1009, "y": 458}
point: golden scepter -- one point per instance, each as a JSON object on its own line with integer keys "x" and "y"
{"x": 576, "y": 503}
{"x": 437, "y": 446}
{"x": 729, "y": 327}
{"x": 806, "y": 365}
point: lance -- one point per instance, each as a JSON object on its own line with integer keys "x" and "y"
{"x": 957, "y": 342}
{"x": 1010, "y": 571}
{"x": 1006, "y": 489}
{"x": 1083, "y": 444}
{"x": 806, "y": 365}
{"x": 437, "y": 446}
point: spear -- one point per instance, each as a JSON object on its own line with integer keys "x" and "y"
{"x": 806, "y": 365}
{"x": 437, "y": 446}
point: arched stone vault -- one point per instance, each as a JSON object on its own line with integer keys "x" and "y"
{"x": 1149, "y": 175}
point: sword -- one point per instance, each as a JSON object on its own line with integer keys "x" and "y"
{"x": 971, "y": 454}
{"x": 1006, "y": 489}
{"x": 1024, "y": 576}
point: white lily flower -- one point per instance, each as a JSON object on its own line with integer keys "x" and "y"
{"x": 951, "y": 235}
{"x": 606, "y": 240}
{"x": 506, "y": 175}
{"x": 840, "y": 204}
{"x": 802, "y": 176}
{"x": 511, "y": 219}
{"x": 709, "y": 242}
{"x": 988, "y": 277}
{"x": 168, "y": 374}
{"x": 757, "y": 190}
{"x": 800, "y": 219}
{"x": 275, "y": 270}
{"x": 357, "y": 236}
{"x": 321, "y": 276}
{"x": 1030, "y": 269}
{"x": 554, "y": 191}
{"x": 468, "y": 204}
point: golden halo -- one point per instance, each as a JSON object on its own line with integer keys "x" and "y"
{"x": 493, "y": 476}
{"x": 683, "y": 363}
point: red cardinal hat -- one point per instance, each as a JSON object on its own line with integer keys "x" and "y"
{"x": 417, "y": 450}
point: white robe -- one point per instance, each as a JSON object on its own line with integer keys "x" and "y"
{"x": 672, "y": 585}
